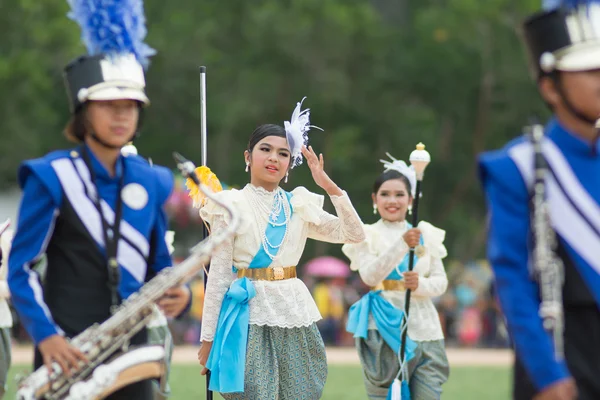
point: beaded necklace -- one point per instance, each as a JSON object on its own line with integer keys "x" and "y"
{"x": 257, "y": 197}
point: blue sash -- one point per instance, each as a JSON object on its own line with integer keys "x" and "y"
{"x": 227, "y": 359}
{"x": 387, "y": 319}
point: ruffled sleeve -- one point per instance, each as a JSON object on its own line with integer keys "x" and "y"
{"x": 435, "y": 282}
{"x": 346, "y": 227}
{"x": 213, "y": 211}
{"x": 5, "y": 242}
{"x": 356, "y": 252}
{"x": 433, "y": 240}
{"x": 372, "y": 265}
{"x": 307, "y": 205}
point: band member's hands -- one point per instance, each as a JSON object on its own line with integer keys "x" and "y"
{"x": 316, "y": 165}
{"x": 56, "y": 348}
{"x": 411, "y": 280}
{"x": 411, "y": 237}
{"x": 174, "y": 301}
{"x": 203, "y": 354}
{"x": 562, "y": 390}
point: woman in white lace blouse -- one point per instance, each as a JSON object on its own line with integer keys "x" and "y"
{"x": 382, "y": 262}
{"x": 259, "y": 337}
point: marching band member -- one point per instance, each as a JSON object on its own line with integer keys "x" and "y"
{"x": 564, "y": 44}
{"x": 158, "y": 327}
{"x": 96, "y": 214}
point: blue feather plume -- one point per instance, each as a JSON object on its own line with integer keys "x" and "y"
{"x": 551, "y": 4}
{"x": 554, "y": 4}
{"x": 112, "y": 27}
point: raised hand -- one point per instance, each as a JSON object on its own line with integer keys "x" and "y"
{"x": 316, "y": 165}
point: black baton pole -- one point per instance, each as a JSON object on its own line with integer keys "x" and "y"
{"x": 419, "y": 159}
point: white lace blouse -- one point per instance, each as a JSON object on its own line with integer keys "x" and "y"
{"x": 286, "y": 303}
{"x": 5, "y": 315}
{"x": 383, "y": 250}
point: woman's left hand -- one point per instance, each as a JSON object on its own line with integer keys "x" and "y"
{"x": 174, "y": 301}
{"x": 316, "y": 165}
{"x": 411, "y": 280}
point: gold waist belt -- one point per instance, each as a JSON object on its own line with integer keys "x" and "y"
{"x": 267, "y": 274}
{"x": 390, "y": 285}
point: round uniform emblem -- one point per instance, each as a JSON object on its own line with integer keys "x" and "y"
{"x": 134, "y": 196}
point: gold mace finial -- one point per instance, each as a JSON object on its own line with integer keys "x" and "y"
{"x": 420, "y": 146}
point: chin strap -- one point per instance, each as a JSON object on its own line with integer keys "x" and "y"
{"x": 578, "y": 114}
{"x": 595, "y": 140}
{"x": 570, "y": 107}
{"x": 98, "y": 140}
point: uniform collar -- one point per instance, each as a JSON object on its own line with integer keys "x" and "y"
{"x": 569, "y": 141}
{"x": 101, "y": 171}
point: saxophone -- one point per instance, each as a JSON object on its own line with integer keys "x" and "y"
{"x": 548, "y": 268}
{"x": 100, "y": 342}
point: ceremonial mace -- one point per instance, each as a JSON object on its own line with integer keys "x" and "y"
{"x": 419, "y": 159}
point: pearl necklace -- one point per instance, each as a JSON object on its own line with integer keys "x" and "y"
{"x": 258, "y": 199}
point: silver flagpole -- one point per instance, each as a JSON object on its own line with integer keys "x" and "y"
{"x": 209, "y": 393}
{"x": 203, "y": 113}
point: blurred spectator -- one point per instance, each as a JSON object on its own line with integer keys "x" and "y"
{"x": 448, "y": 311}
{"x": 329, "y": 296}
{"x": 192, "y": 335}
{"x": 470, "y": 327}
{"x": 468, "y": 311}
{"x": 494, "y": 331}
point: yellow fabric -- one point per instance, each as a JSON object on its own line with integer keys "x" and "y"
{"x": 197, "y": 289}
{"x": 206, "y": 177}
{"x": 328, "y": 305}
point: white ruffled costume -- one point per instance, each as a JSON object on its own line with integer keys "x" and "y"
{"x": 5, "y": 315}
{"x": 283, "y": 353}
{"x": 286, "y": 303}
{"x": 383, "y": 249}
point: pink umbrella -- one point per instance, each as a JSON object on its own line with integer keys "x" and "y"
{"x": 327, "y": 267}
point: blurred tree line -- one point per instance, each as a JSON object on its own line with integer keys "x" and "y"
{"x": 380, "y": 76}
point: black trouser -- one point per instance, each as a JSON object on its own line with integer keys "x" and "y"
{"x": 582, "y": 351}
{"x": 138, "y": 391}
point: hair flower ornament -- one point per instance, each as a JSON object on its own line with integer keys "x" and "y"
{"x": 296, "y": 130}
{"x": 401, "y": 167}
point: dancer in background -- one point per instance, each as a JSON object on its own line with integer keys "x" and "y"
{"x": 382, "y": 262}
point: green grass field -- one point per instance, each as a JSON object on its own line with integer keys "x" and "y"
{"x": 345, "y": 383}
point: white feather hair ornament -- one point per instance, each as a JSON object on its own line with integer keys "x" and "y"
{"x": 296, "y": 131}
{"x": 401, "y": 167}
